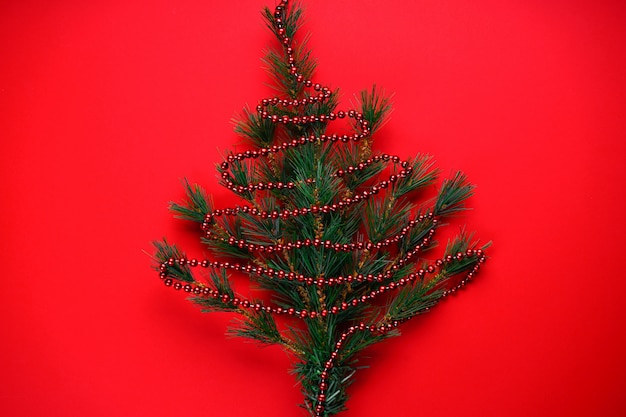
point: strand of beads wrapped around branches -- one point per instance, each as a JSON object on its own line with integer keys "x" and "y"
{"x": 266, "y": 111}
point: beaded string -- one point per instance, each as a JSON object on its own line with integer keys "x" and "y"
{"x": 200, "y": 289}
{"x": 284, "y": 214}
{"x": 292, "y": 276}
{"x": 364, "y": 131}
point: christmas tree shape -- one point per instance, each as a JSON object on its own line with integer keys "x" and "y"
{"x": 330, "y": 231}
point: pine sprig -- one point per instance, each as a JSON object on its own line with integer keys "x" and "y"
{"x": 459, "y": 245}
{"x": 318, "y": 109}
{"x": 260, "y": 327}
{"x": 351, "y": 155}
{"x": 278, "y": 71}
{"x": 417, "y": 234}
{"x": 262, "y": 231}
{"x": 452, "y": 195}
{"x": 195, "y": 205}
{"x": 252, "y": 127}
{"x": 385, "y": 218}
{"x": 226, "y": 228}
{"x": 242, "y": 175}
{"x": 165, "y": 252}
{"x": 412, "y": 300}
{"x": 276, "y": 62}
{"x": 291, "y": 20}
{"x": 376, "y": 107}
{"x": 422, "y": 175}
{"x": 218, "y": 281}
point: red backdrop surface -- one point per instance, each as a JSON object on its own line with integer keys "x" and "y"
{"x": 107, "y": 105}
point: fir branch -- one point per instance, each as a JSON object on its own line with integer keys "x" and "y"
{"x": 383, "y": 218}
{"x": 194, "y": 206}
{"x": 279, "y": 74}
{"x": 412, "y": 300}
{"x": 452, "y": 195}
{"x": 422, "y": 175}
{"x": 242, "y": 175}
{"x": 260, "y": 327}
{"x": 291, "y": 20}
{"x": 376, "y": 107}
{"x": 218, "y": 281}
{"x": 251, "y": 126}
{"x": 459, "y": 245}
{"x": 417, "y": 234}
{"x": 352, "y": 155}
{"x": 165, "y": 252}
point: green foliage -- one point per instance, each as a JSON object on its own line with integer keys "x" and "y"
{"x": 460, "y": 244}
{"x": 278, "y": 70}
{"x": 376, "y": 107}
{"x": 453, "y": 194}
{"x": 164, "y": 252}
{"x": 260, "y": 327}
{"x": 258, "y": 131}
{"x": 218, "y": 281}
{"x": 195, "y": 205}
{"x": 422, "y": 175}
{"x": 412, "y": 300}
{"x": 377, "y": 245}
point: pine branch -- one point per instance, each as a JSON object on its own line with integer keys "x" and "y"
{"x": 219, "y": 282}
{"x": 453, "y": 194}
{"x": 385, "y": 218}
{"x": 457, "y": 263}
{"x": 376, "y": 107}
{"x": 317, "y": 348}
{"x": 279, "y": 72}
{"x": 291, "y": 20}
{"x": 240, "y": 175}
{"x": 412, "y": 300}
{"x": 195, "y": 206}
{"x": 351, "y": 156}
{"x": 422, "y": 175}
{"x": 166, "y": 252}
{"x": 260, "y": 327}
{"x": 255, "y": 129}
{"x": 277, "y": 63}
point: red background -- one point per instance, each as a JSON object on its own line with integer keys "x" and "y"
{"x": 106, "y": 105}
